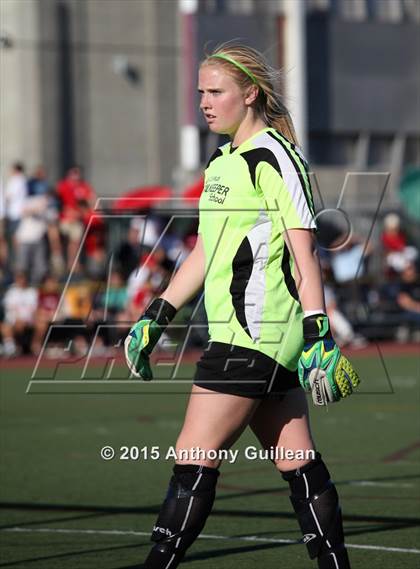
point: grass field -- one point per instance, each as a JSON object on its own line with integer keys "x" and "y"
{"x": 62, "y": 506}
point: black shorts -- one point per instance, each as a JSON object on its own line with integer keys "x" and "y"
{"x": 241, "y": 371}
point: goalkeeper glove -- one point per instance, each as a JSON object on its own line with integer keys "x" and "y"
{"x": 144, "y": 336}
{"x": 322, "y": 368}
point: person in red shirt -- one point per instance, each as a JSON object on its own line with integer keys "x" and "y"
{"x": 95, "y": 242}
{"x": 393, "y": 238}
{"x": 74, "y": 193}
{"x": 397, "y": 252}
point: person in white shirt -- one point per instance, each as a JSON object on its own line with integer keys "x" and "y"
{"x": 20, "y": 303}
{"x": 15, "y": 193}
{"x": 31, "y": 239}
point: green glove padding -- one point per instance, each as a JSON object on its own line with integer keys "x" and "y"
{"x": 144, "y": 336}
{"x": 322, "y": 368}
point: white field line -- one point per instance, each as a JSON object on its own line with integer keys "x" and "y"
{"x": 202, "y": 536}
{"x": 370, "y": 483}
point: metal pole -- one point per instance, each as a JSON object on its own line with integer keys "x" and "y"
{"x": 189, "y": 136}
{"x": 295, "y": 66}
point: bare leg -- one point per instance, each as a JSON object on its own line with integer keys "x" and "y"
{"x": 40, "y": 328}
{"x": 9, "y": 344}
{"x": 57, "y": 261}
{"x": 284, "y": 424}
{"x": 54, "y": 239}
{"x": 214, "y": 421}
{"x": 72, "y": 249}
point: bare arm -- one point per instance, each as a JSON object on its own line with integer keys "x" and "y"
{"x": 302, "y": 245}
{"x": 188, "y": 279}
{"x": 407, "y": 303}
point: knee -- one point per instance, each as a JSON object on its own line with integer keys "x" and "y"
{"x": 284, "y": 464}
{"x": 307, "y": 479}
{"x": 184, "y": 459}
{"x": 188, "y": 453}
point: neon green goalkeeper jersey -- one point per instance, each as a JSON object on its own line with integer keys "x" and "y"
{"x": 252, "y": 194}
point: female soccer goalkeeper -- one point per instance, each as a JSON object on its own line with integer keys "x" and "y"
{"x": 270, "y": 339}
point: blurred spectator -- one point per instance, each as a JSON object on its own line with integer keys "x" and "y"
{"x": 111, "y": 308}
{"x": 394, "y": 242}
{"x": 128, "y": 253}
{"x": 150, "y": 271}
{"x": 141, "y": 298}
{"x": 329, "y": 236}
{"x": 31, "y": 245}
{"x": 15, "y": 194}
{"x": 176, "y": 249}
{"x": 5, "y": 274}
{"x": 74, "y": 193}
{"x": 114, "y": 300}
{"x": 77, "y": 302}
{"x": 20, "y": 304}
{"x": 349, "y": 262}
{"x": 96, "y": 261}
{"x": 38, "y": 185}
{"x": 76, "y": 310}
{"x": 94, "y": 245}
{"x": 48, "y": 300}
{"x": 148, "y": 229}
{"x": 408, "y": 299}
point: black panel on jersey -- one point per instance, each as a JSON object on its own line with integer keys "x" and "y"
{"x": 257, "y": 155}
{"x": 298, "y": 172}
{"x": 242, "y": 268}
{"x": 288, "y": 277}
{"x": 215, "y": 155}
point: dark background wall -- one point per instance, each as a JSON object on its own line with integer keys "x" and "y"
{"x": 363, "y": 76}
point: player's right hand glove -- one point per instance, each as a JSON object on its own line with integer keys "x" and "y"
{"x": 322, "y": 368}
{"x": 144, "y": 336}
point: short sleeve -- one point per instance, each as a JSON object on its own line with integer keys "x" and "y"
{"x": 287, "y": 196}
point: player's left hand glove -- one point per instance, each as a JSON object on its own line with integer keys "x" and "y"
{"x": 144, "y": 336}
{"x": 322, "y": 368}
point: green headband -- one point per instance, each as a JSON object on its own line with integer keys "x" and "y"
{"x": 236, "y": 64}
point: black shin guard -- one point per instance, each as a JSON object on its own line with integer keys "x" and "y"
{"x": 315, "y": 501}
{"x": 183, "y": 514}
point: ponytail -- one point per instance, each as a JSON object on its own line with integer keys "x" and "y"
{"x": 276, "y": 115}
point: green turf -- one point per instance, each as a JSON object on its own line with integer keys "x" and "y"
{"x": 52, "y": 476}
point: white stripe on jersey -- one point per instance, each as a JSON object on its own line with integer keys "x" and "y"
{"x": 290, "y": 177}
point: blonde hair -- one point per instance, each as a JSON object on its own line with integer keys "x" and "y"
{"x": 269, "y": 103}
